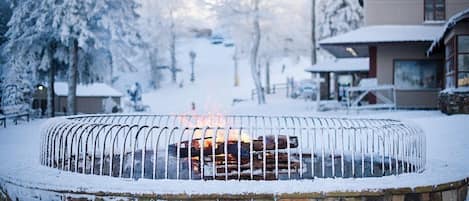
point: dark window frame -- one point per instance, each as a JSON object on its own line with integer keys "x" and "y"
{"x": 453, "y": 69}
{"x": 456, "y": 59}
{"x": 434, "y": 7}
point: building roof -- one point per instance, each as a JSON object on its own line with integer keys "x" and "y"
{"x": 386, "y": 33}
{"x": 341, "y": 65}
{"x": 450, "y": 24}
{"x": 359, "y": 39}
{"x": 89, "y": 90}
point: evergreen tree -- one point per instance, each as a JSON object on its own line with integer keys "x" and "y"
{"x": 78, "y": 33}
{"x": 5, "y": 13}
{"x": 337, "y": 17}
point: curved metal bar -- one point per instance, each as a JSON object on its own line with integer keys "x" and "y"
{"x": 134, "y": 148}
{"x": 253, "y": 147}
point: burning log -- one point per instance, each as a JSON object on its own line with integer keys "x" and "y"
{"x": 232, "y": 146}
{"x": 258, "y": 145}
{"x": 237, "y": 156}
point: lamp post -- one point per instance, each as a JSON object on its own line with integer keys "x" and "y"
{"x": 236, "y": 74}
{"x": 192, "y": 55}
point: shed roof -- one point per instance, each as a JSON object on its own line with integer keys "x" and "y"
{"x": 341, "y": 65}
{"x": 89, "y": 90}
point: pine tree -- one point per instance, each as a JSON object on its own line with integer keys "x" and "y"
{"x": 22, "y": 52}
{"x": 164, "y": 23}
{"x": 5, "y": 13}
{"x": 75, "y": 29}
{"x": 337, "y": 17}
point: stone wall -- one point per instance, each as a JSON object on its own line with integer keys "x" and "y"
{"x": 452, "y": 191}
{"x": 454, "y": 102}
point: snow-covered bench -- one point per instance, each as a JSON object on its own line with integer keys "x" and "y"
{"x": 370, "y": 86}
{"x": 13, "y": 112}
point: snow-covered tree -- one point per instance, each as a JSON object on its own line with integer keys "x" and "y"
{"x": 163, "y": 24}
{"x": 336, "y": 17}
{"x": 5, "y": 13}
{"x": 22, "y": 50}
{"x": 89, "y": 25}
{"x": 243, "y": 16}
{"x": 74, "y": 32}
{"x": 264, "y": 30}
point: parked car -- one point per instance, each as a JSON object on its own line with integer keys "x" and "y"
{"x": 305, "y": 90}
{"x": 216, "y": 39}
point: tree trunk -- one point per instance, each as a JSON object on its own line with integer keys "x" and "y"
{"x": 254, "y": 54}
{"x": 267, "y": 76}
{"x": 172, "y": 50}
{"x": 72, "y": 79}
{"x": 236, "y": 73}
{"x": 50, "y": 111}
{"x": 313, "y": 32}
{"x": 51, "y": 90}
{"x": 111, "y": 69}
{"x": 156, "y": 74}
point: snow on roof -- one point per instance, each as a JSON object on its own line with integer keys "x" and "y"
{"x": 89, "y": 90}
{"x": 386, "y": 34}
{"x": 341, "y": 65}
{"x": 450, "y": 24}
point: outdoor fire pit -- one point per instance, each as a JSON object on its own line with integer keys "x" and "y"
{"x": 217, "y": 147}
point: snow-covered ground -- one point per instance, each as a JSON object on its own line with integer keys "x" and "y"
{"x": 213, "y": 91}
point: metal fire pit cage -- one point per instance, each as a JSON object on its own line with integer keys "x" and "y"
{"x": 217, "y": 147}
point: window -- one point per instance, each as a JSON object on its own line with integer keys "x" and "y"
{"x": 449, "y": 66}
{"x": 463, "y": 61}
{"x": 416, "y": 74}
{"x": 434, "y": 10}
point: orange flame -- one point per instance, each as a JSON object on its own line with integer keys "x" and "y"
{"x": 212, "y": 121}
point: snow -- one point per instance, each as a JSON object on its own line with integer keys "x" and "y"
{"x": 447, "y": 153}
{"x": 456, "y": 90}
{"x": 89, "y": 90}
{"x": 341, "y": 65}
{"x": 368, "y": 82}
{"x": 213, "y": 89}
{"x": 387, "y": 34}
{"x": 451, "y": 23}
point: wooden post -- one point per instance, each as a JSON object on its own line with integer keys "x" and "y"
{"x": 373, "y": 69}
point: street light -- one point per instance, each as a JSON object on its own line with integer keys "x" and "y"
{"x": 192, "y": 55}
{"x": 40, "y": 87}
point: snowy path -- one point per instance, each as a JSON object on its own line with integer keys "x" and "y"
{"x": 213, "y": 89}
{"x": 447, "y": 152}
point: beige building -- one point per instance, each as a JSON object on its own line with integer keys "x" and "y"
{"x": 411, "y": 12}
{"x": 91, "y": 98}
{"x": 397, "y": 38}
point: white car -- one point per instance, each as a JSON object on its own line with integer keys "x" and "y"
{"x": 305, "y": 91}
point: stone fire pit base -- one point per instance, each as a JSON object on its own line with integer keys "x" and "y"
{"x": 453, "y": 191}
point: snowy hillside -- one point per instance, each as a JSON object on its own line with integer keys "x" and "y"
{"x": 213, "y": 89}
